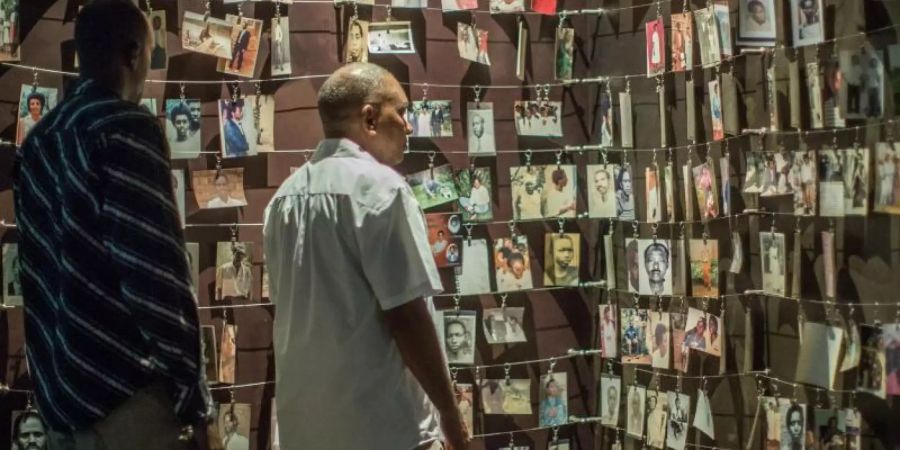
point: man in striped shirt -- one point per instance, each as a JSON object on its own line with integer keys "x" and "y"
{"x": 111, "y": 325}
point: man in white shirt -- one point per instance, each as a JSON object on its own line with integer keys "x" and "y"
{"x": 351, "y": 272}
{"x": 235, "y": 278}
{"x": 223, "y": 198}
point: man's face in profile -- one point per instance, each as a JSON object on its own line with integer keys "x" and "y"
{"x": 31, "y": 435}
{"x": 389, "y": 128}
{"x": 456, "y": 336}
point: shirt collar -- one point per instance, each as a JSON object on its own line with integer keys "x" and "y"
{"x": 88, "y": 86}
{"x": 340, "y": 148}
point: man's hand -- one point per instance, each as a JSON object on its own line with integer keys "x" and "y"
{"x": 456, "y": 436}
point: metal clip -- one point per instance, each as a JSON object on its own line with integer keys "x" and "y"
{"x": 562, "y": 223}
{"x": 456, "y": 300}
{"x": 477, "y": 92}
{"x": 503, "y": 301}
{"x": 528, "y": 154}
{"x": 506, "y": 370}
{"x": 559, "y": 154}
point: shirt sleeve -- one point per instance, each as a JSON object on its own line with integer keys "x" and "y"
{"x": 394, "y": 250}
{"x": 147, "y": 250}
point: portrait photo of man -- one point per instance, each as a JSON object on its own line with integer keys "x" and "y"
{"x": 237, "y": 129}
{"x": 679, "y": 412}
{"x": 234, "y": 273}
{"x": 601, "y": 191}
{"x": 459, "y": 336}
{"x": 158, "y": 56}
{"x": 610, "y": 388}
{"x": 219, "y": 188}
{"x": 656, "y": 261}
{"x": 562, "y": 259}
{"x": 28, "y": 431}
{"x": 234, "y": 426}
{"x": 244, "y": 45}
{"x": 481, "y": 128}
{"x": 637, "y": 401}
{"x": 184, "y": 140}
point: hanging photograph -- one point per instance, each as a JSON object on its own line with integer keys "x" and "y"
{"x": 459, "y": 331}
{"x": 209, "y": 352}
{"x": 806, "y": 22}
{"x": 725, "y": 180}
{"x": 506, "y": 396}
{"x": 704, "y": 267}
{"x": 458, "y": 5}
{"x": 723, "y": 21}
{"x": 521, "y": 50}
{"x": 219, "y": 188}
{"x": 34, "y": 103}
{"x": 545, "y": 7}
{"x": 862, "y": 88}
{"x": 394, "y": 37}
{"x": 652, "y": 194}
{"x": 512, "y": 263}
{"x": 774, "y": 260}
{"x": 605, "y": 123}
{"x": 890, "y": 333}
{"x": 565, "y": 52}
{"x": 507, "y": 6}
{"x": 609, "y": 397}
{"x": 465, "y": 402}
{"x": 775, "y": 174}
{"x": 234, "y": 426}
{"x": 245, "y": 37}
{"x": 237, "y": 128}
{"x": 633, "y": 265}
{"x": 830, "y": 429}
{"x": 682, "y": 42}
{"x": 771, "y": 408}
{"x": 669, "y": 189}
{"x": 624, "y": 194}
{"x": 234, "y": 270}
{"x": 757, "y": 19}
{"x": 872, "y": 374}
{"x": 543, "y": 191}
{"x": 657, "y": 418}
{"x": 12, "y": 285}
{"x": 679, "y": 414}
{"x": 475, "y": 194}
{"x": 281, "y": 46}
{"x": 804, "y": 183}
{"x": 227, "y": 354}
{"x": 504, "y": 325}
{"x": 206, "y": 35}
{"x": 820, "y": 353}
{"x": 656, "y": 267}
{"x": 433, "y": 187}
{"x": 634, "y": 336}
{"x": 409, "y": 4}
{"x": 430, "y": 118}
{"x": 601, "y": 193}
{"x": 708, "y": 35}
{"x": 480, "y": 131}
{"x": 793, "y": 426}
{"x": 850, "y": 359}
{"x": 856, "y": 181}
{"x": 831, "y": 183}
{"x": 444, "y": 241}
{"x": 609, "y": 331}
{"x": 263, "y": 121}
{"x": 679, "y": 350}
{"x": 538, "y": 118}
{"x": 703, "y": 419}
{"x": 562, "y": 259}
{"x": 193, "y": 252}
{"x": 656, "y": 44}
{"x": 474, "y": 274}
{"x": 832, "y": 93}
{"x": 554, "y": 409}
{"x": 702, "y": 333}
{"x": 814, "y": 92}
{"x": 715, "y": 111}
{"x": 887, "y": 178}
{"x": 158, "y": 55}
{"x": 893, "y": 73}
{"x": 706, "y": 190}
{"x": 178, "y": 187}
{"x": 659, "y": 342}
{"x": 637, "y": 401}
{"x": 183, "y": 128}
{"x": 356, "y": 47}
{"x": 9, "y": 30}
{"x": 472, "y": 43}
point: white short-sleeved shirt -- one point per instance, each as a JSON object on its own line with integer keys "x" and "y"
{"x": 346, "y": 240}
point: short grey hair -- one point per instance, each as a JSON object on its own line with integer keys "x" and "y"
{"x": 348, "y": 88}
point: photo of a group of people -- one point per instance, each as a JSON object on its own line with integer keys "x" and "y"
{"x": 703, "y": 333}
{"x": 511, "y": 396}
{"x": 538, "y": 118}
{"x": 219, "y": 188}
{"x": 430, "y": 118}
{"x": 472, "y": 43}
{"x": 543, "y": 191}
{"x": 634, "y": 336}
{"x": 843, "y": 182}
{"x": 769, "y": 174}
{"x": 34, "y": 103}
{"x": 433, "y": 187}
{"x": 444, "y": 239}
{"x": 459, "y": 331}
{"x": 475, "y": 194}
{"x": 887, "y": 178}
{"x": 394, "y": 37}
{"x": 504, "y": 325}
{"x": 183, "y": 128}
{"x": 649, "y": 264}
{"x": 513, "y": 264}
{"x": 562, "y": 259}
{"x": 862, "y": 91}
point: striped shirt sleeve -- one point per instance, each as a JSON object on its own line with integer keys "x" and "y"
{"x": 144, "y": 236}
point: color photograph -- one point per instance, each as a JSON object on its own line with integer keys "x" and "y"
{"x": 513, "y": 264}
{"x": 475, "y": 194}
{"x": 34, "y": 103}
{"x": 430, "y": 118}
{"x": 506, "y": 396}
{"x": 704, "y": 267}
{"x": 554, "y": 406}
{"x": 234, "y": 426}
{"x": 206, "y": 35}
{"x": 634, "y": 336}
{"x": 562, "y": 259}
{"x": 655, "y": 31}
{"x": 682, "y": 42}
{"x": 565, "y": 52}
{"x": 472, "y": 43}
{"x": 237, "y": 128}
{"x": 445, "y": 244}
{"x": 433, "y": 187}
{"x": 393, "y": 37}
{"x": 219, "y": 188}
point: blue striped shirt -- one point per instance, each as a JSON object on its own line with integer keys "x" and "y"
{"x": 104, "y": 269}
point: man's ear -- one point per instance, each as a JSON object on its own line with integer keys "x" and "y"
{"x": 370, "y": 116}
{"x": 133, "y": 54}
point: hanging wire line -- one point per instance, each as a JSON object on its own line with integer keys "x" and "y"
{"x": 239, "y": 305}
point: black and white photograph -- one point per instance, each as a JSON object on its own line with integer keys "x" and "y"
{"x": 158, "y": 54}
{"x": 562, "y": 259}
{"x": 472, "y": 43}
{"x": 887, "y": 178}
{"x": 703, "y": 332}
{"x": 9, "y": 30}
{"x": 890, "y": 333}
{"x": 234, "y": 425}
{"x": 633, "y": 265}
{"x": 703, "y": 419}
{"x": 34, "y": 103}
{"x": 635, "y": 406}
{"x": 474, "y": 186}
{"x": 12, "y": 286}
{"x": 775, "y": 178}
{"x": 209, "y": 351}
{"x": 554, "y": 409}
{"x": 29, "y": 432}
{"x": 655, "y": 258}
{"x": 815, "y": 93}
{"x": 435, "y": 186}
{"x": 561, "y": 444}
{"x": 804, "y": 182}
{"x": 219, "y": 188}
{"x": 430, "y": 118}
{"x": 183, "y": 128}
{"x": 356, "y": 46}
{"x": 634, "y": 336}
{"x": 281, "y": 46}
{"x": 394, "y": 37}
{"x": 543, "y": 191}
{"x": 708, "y": 35}
{"x": 263, "y": 121}
{"x": 480, "y": 117}
{"x": 507, "y": 6}
{"x": 657, "y": 418}
{"x": 830, "y": 428}
{"x": 178, "y": 186}
{"x": 855, "y": 165}
{"x": 757, "y": 23}
{"x": 234, "y": 270}
{"x": 793, "y": 426}
{"x": 245, "y": 44}
{"x": 504, "y": 325}
{"x": 474, "y": 273}
{"x": 820, "y": 353}
{"x": 601, "y": 190}
{"x": 206, "y": 35}
{"x": 872, "y": 374}
{"x": 862, "y": 89}
{"x": 774, "y": 262}
{"x": 605, "y": 122}
{"x": 237, "y": 128}
{"x": 679, "y": 414}
{"x": 659, "y": 340}
{"x": 806, "y": 22}
{"x": 506, "y": 396}
{"x": 459, "y": 330}
{"x": 609, "y": 331}
{"x": 831, "y": 183}
{"x": 512, "y": 263}
{"x": 624, "y": 193}
{"x": 543, "y": 118}
{"x": 609, "y": 397}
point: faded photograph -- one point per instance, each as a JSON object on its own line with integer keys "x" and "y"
{"x": 219, "y": 188}
{"x": 234, "y": 270}
{"x": 513, "y": 265}
{"x": 506, "y": 396}
{"x": 507, "y": 6}
{"x": 702, "y": 333}
{"x": 472, "y": 43}
{"x": 183, "y": 128}
{"x": 682, "y": 42}
{"x": 679, "y": 350}
{"x": 708, "y": 35}
{"x": 263, "y": 115}
{"x": 430, "y": 118}
{"x": 433, "y": 187}
{"x": 538, "y": 118}
{"x": 652, "y": 194}
{"x": 757, "y": 23}
{"x": 228, "y": 354}
{"x": 820, "y": 353}
{"x": 562, "y": 259}
{"x": 12, "y": 284}
{"x": 601, "y": 190}
{"x": 356, "y": 48}
{"x": 393, "y": 37}
{"x": 605, "y": 122}
{"x": 458, "y": 329}
{"x": 706, "y": 190}
{"x": 655, "y": 32}
{"x": 659, "y": 340}
{"x": 158, "y": 54}
{"x": 624, "y": 193}
{"x": 704, "y": 267}
{"x": 29, "y": 432}
{"x": 9, "y": 30}
{"x": 636, "y": 404}
{"x": 774, "y": 260}
{"x": 679, "y": 414}
{"x": 804, "y": 183}
{"x": 474, "y": 273}
{"x": 475, "y": 194}
{"x": 634, "y": 336}
{"x": 34, "y": 103}
{"x": 207, "y": 35}
{"x": 806, "y": 22}
{"x": 554, "y": 409}
{"x": 609, "y": 398}
{"x": 504, "y": 325}
{"x": 862, "y": 91}
{"x": 543, "y": 191}
{"x": 480, "y": 116}
{"x": 565, "y": 52}
{"x": 209, "y": 352}
{"x": 872, "y": 374}
{"x": 657, "y": 418}
{"x": 234, "y": 426}
{"x": 609, "y": 331}
{"x": 281, "y": 46}
{"x": 887, "y": 177}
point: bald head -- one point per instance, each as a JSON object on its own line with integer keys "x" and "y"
{"x": 346, "y": 91}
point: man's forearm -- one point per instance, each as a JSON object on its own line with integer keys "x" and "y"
{"x": 413, "y": 330}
